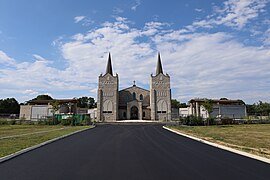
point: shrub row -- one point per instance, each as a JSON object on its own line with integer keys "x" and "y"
{"x": 71, "y": 121}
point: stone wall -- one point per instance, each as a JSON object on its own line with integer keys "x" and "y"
{"x": 107, "y": 101}
{"x": 25, "y": 112}
{"x": 127, "y": 99}
{"x": 160, "y": 100}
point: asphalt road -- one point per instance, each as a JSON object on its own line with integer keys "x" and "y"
{"x": 127, "y": 152}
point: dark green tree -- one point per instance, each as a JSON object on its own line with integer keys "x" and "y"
{"x": 251, "y": 109}
{"x": 86, "y": 102}
{"x": 262, "y": 108}
{"x": 43, "y": 97}
{"x": 175, "y": 104}
{"x": 9, "y": 106}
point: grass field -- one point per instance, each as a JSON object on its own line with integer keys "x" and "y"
{"x": 9, "y": 145}
{"x": 253, "y": 138}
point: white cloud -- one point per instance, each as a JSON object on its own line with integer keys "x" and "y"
{"x": 198, "y": 10}
{"x": 117, "y": 10}
{"x": 5, "y": 59}
{"x": 137, "y": 3}
{"x": 79, "y": 18}
{"x": 30, "y": 92}
{"x": 57, "y": 41}
{"x": 39, "y": 58}
{"x": 234, "y": 13}
{"x": 85, "y": 21}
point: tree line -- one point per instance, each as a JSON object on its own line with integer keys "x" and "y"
{"x": 259, "y": 109}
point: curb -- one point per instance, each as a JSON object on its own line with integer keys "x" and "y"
{"x": 18, "y": 153}
{"x": 263, "y": 159}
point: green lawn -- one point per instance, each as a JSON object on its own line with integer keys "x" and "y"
{"x": 253, "y": 138}
{"x": 11, "y": 145}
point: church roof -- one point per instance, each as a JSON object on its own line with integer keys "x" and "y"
{"x": 134, "y": 87}
{"x": 159, "y": 66}
{"x": 109, "y": 66}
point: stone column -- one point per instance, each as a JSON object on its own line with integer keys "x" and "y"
{"x": 140, "y": 110}
{"x": 128, "y": 111}
{"x": 153, "y": 104}
{"x": 192, "y": 108}
{"x": 197, "y": 109}
{"x": 99, "y": 105}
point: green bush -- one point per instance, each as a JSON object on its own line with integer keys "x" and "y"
{"x": 48, "y": 121}
{"x": 193, "y": 121}
{"x": 225, "y": 121}
{"x": 86, "y": 122}
{"x": 12, "y": 122}
{"x": 67, "y": 122}
{"x": 3, "y": 122}
{"x": 211, "y": 121}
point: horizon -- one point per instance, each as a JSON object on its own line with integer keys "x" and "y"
{"x": 210, "y": 49}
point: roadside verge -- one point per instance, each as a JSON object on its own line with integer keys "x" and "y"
{"x": 10, "y": 156}
{"x": 266, "y": 160}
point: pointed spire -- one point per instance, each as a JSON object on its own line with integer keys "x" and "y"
{"x": 109, "y": 66}
{"x": 159, "y": 66}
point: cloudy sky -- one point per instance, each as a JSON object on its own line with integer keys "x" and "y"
{"x": 210, "y": 48}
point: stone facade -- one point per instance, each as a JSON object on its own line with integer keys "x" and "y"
{"x": 133, "y": 102}
{"x": 160, "y": 95}
{"x": 107, "y": 101}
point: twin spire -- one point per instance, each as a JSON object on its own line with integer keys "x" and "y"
{"x": 159, "y": 66}
{"x": 109, "y": 66}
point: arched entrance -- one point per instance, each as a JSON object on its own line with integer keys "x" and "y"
{"x": 134, "y": 112}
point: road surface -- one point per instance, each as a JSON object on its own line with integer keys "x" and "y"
{"x": 127, "y": 152}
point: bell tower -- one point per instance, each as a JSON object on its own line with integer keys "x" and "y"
{"x": 160, "y": 94}
{"x": 107, "y": 100}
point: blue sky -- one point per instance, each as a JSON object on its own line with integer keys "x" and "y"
{"x": 210, "y": 48}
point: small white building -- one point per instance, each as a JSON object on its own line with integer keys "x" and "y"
{"x": 222, "y": 108}
{"x": 93, "y": 113}
{"x": 42, "y": 109}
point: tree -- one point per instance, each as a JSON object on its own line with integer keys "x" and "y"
{"x": 251, "y": 109}
{"x": 86, "y": 102}
{"x": 260, "y": 108}
{"x": 175, "y": 104}
{"x": 9, "y": 106}
{"x": 208, "y": 105}
{"x": 55, "y": 106}
{"x": 43, "y": 97}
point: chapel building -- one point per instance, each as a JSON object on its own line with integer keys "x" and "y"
{"x": 133, "y": 103}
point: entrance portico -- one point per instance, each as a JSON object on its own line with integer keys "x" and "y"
{"x": 134, "y": 110}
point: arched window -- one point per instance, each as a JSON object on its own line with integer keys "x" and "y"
{"x": 107, "y": 106}
{"x": 134, "y": 96}
{"x": 141, "y": 97}
{"x": 161, "y": 106}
